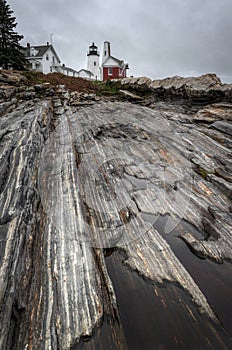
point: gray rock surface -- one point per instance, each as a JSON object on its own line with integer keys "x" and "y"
{"x": 202, "y": 89}
{"x": 76, "y": 180}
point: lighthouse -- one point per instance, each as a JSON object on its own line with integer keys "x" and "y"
{"x": 93, "y": 62}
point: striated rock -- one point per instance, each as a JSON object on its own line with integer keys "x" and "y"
{"x": 78, "y": 182}
{"x": 217, "y": 241}
{"x": 207, "y": 88}
{"x": 130, "y": 96}
{"x": 223, "y": 184}
{"x": 7, "y": 91}
{"x": 82, "y": 99}
{"x": 11, "y": 77}
{"x": 203, "y": 82}
{"x": 141, "y": 84}
{"x": 223, "y": 126}
{"x": 214, "y": 112}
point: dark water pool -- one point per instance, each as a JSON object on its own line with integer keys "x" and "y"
{"x": 163, "y": 317}
{"x": 214, "y": 280}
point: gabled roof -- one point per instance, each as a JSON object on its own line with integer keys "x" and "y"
{"x": 69, "y": 69}
{"x": 118, "y": 63}
{"x": 86, "y": 71}
{"x": 41, "y": 50}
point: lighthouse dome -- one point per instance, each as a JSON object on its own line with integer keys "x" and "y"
{"x": 93, "y": 50}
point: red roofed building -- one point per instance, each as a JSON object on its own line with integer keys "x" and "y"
{"x": 112, "y": 68}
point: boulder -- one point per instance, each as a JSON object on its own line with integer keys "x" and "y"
{"x": 140, "y": 83}
{"x": 214, "y": 112}
{"x": 130, "y": 96}
{"x": 206, "y": 88}
{"x": 11, "y": 77}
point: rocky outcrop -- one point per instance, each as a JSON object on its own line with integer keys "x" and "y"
{"x": 214, "y": 112}
{"x": 130, "y": 96}
{"x": 80, "y": 177}
{"x": 203, "y": 89}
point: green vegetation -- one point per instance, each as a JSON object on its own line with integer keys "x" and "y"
{"x": 35, "y": 77}
{"x": 10, "y": 49}
{"x": 204, "y": 173}
{"x": 108, "y": 87}
{"x": 55, "y": 79}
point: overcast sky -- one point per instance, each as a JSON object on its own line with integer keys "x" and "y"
{"x": 158, "y": 38}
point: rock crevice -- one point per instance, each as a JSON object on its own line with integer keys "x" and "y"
{"x": 78, "y": 179}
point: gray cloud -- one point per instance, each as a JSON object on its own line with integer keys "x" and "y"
{"x": 157, "y": 38}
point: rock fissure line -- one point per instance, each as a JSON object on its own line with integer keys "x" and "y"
{"x": 75, "y": 180}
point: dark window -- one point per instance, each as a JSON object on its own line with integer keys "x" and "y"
{"x": 47, "y": 57}
{"x": 95, "y": 63}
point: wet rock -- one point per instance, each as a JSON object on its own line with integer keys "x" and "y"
{"x": 215, "y": 245}
{"x": 75, "y": 182}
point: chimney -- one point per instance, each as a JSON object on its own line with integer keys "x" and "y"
{"x": 47, "y": 43}
{"x": 106, "y": 51}
{"x": 28, "y": 45}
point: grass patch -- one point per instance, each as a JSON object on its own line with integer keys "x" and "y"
{"x": 71, "y": 83}
{"x": 35, "y": 77}
{"x": 101, "y": 88}
{"x": 108, "y": 87}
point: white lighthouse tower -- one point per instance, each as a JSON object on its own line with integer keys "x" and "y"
{"x": 93, "y": 62}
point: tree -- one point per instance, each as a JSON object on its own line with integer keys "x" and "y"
{"x": 11, "y": 55}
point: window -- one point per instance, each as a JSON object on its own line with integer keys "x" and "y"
{"x": 95, "y": 63}
{"x": 110, "y": 71}
{"x": 47, "y": 57}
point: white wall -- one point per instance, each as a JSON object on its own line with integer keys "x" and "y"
{"x": 83, "y": 74}
{"x": 110, "y": 62}
{"x": 48, "y": 63}
{"x": 106, "y": 51}
{"x": 95, "y": 69}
